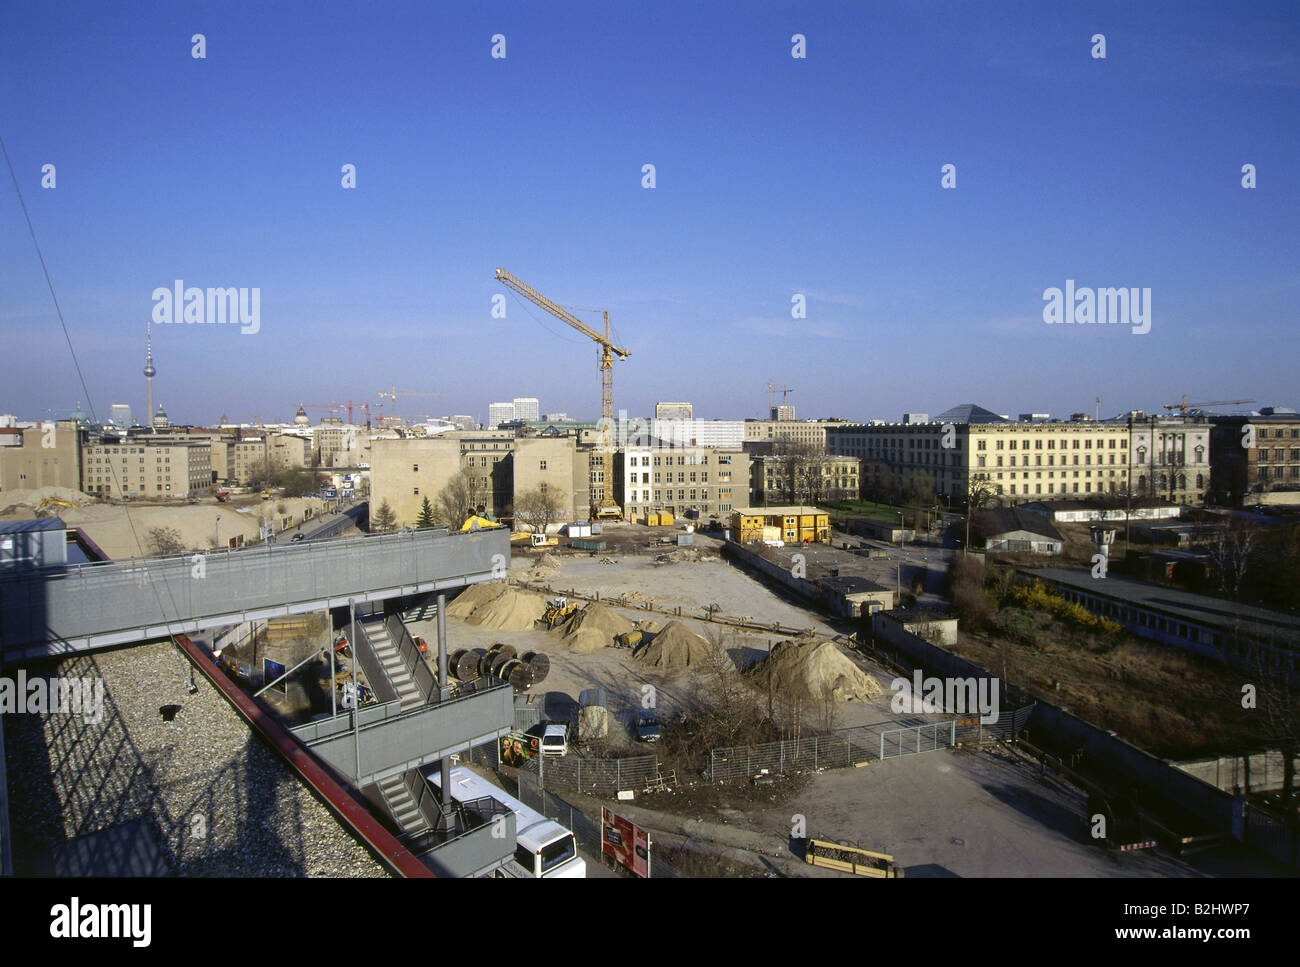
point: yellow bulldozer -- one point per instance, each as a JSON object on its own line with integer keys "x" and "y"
{"x": 557, "y": 609}
{"x": 49, "y": 502}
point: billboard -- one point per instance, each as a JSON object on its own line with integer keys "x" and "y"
{"x": 624, "y": 842}
{"x": 518, "y": 747}
{"x": 271, "y": 670}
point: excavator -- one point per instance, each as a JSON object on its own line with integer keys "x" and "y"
{"x": 49, "y": 502}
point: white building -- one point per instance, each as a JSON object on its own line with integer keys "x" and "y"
{"x": 499, "y": 413}
{"x": 699, "y": 433}
{"x": 527, "y": 408}
{"x": 120, "y": 415}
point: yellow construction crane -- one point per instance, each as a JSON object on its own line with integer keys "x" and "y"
{"x": 1184, "y": 406}
{"x": 606, "y": 349}
{"x": 605, "y": 353}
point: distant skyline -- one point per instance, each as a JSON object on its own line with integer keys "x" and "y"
{"x": 779, "y": 182}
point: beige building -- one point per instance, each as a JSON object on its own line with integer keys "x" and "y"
{"x": 811, "y": 432}
{"x": 405, "y": 471}
{"x": 710, "y": 480}
{"x": 147, "y": 467}
{"x": 38, "y": 456}
{"x": 1021, "y": 461}
{"x": 561, "y": 468}
{"x": 288, "y": 451}
{"x": 1170, "y": 457}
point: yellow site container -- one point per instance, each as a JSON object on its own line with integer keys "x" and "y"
{"x": 652, "y": 520}
{"x": 666, "y": 519}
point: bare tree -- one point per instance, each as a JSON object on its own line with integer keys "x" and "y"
{"x": 457, "y": 501}
{"x": 1230, "y": 548}
{"x": 537, "y": 508}
{"x": 164, "y": 540}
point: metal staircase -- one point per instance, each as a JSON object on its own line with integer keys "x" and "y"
{"x": 398, "y": 799}
{"x": 394, "y": 667}
{"x": 422, "y": 609}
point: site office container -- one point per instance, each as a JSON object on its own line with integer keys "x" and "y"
{"x": 652, "y": 520}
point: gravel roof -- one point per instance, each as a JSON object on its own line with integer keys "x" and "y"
{"x": 216, "y": 798}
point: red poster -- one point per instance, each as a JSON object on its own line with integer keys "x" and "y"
{"x": 624, "y": 842}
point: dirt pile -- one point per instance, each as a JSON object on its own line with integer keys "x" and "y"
{"x": 811, "y": 668}
{"x": 28, "y": 500}
{"x": 593, "y": 628}
{"x": 676, "y": 647}
{"x": 512, "y": 610}
{"x": 469, "y": 600}
{"x": 547, "y": 562}
{"x": 648, "y": 625}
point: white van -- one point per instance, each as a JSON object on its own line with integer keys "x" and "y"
{"x": 555, "y": 740}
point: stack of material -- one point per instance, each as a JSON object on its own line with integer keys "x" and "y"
{"x": 636, "y": 599}
{"x": 676, "y": 647}
{"x": 547, "y": 562}
{"x": 593, "y": 628}
{"x": 512, "y": 610}
{"x": 813, "y": 670}
{"x": 468, "y": 601}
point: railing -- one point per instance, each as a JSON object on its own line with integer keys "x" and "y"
{"x": 416, "y": 663}
{"x": 58, "y": 610}
{"x": 482, "y": 837}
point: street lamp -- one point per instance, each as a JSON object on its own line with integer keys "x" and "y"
{"x": 217, "y": 542}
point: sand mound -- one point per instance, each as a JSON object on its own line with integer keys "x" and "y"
{"x": 512, "y": 610}
{"x": 810, "y": 668}
{"x": 594, "y": 627}
{"x": 547, "y": 561}
{"x": 473, "y": 597}
{"x": 20, "y": 500}
{"x": 675, "y": 647}
{"x": 648, "y": 625}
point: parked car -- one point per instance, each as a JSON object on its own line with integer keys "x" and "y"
{"x": 298, "y": 536}
{"x": 647, "y": 727}
{"x": 555, "y": 740}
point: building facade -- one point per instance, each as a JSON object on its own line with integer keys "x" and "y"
{"x": 1019, "y": 461}
{"x": 142, "y": 467}
{"x": 46, "y": 455}
{"x": 793, "y": 478}
{"x": 709, "y": 481}
{"x": 1170, "y": 457}
{"x": 1254, "y": 455}
{"x": 812, "y": 432}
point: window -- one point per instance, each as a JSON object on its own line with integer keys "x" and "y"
{"x": 416, "y": 491}
{"x": 415, "y": 468}
{"x": 542, "y": 488}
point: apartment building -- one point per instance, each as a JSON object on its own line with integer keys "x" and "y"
{"x": 147, "y": 467}
{"x": 1020, "y": 461}
{"x": 710, "y": 481}
{"x": 288, "y": 451}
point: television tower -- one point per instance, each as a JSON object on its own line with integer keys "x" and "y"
{"x": 149, "y": 371}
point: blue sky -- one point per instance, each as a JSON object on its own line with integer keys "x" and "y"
{"x": 775, "y": 176}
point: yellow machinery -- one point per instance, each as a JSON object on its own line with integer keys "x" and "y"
{"x": 557, "y": 609}
{"x": 49, "y": 502}
{"x": 606, "y": 351}
{"x": 476, "y": 522}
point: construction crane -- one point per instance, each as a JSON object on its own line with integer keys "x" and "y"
{"x": 605, "y": 353}
{"x": 394, "y": 393}
{"x": 344, "y": 405}
{"x": 785, "y": 391}
{"x": 1184, "y": 406}
{"x": 606, "y": 350}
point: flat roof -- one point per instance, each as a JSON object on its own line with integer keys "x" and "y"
{"x": 28, "y": 526}
{"x": 1216, "y": 612}
{"x": 776, "y": 511}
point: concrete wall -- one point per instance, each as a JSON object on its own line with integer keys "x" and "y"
{"x": 404, "y": 472}
{"x": 31, "y": 465}
{"x": 1230, "y": 773}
